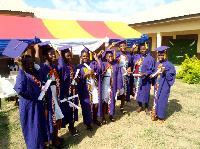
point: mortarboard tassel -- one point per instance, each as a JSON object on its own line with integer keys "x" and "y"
{"x": 165, "y": 54}
{"x": 90, "y": 55}
{"x": 126, "y": 43}
{"x": 114, "y": 55}
{"x": 71, "y": 52}
{"x": 146, "y": 46}
{"x": 53, "y": 47}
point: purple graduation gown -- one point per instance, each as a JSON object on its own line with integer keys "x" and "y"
{"x": 84, "y": 94}
{"x": 145, "y": 82}
{"x": 64, "y": 73}
{"x": 166, "y": 81}
{"x": 117, "y": 83}
{"x": 49, "y": 99}
{"x": 131, "y": 76}
{"x": 31, "y": 110}
{"x": 129, "y": 57}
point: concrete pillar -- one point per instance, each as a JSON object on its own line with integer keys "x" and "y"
{"x": 159, "y": 39}
{"x": 198, "y": 43}
{"x": 153, "y": 43}
{"x": 174, "y": 36}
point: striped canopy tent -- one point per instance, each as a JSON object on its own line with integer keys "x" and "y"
{"x": 62, "y": 32}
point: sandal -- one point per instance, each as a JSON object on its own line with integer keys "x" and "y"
{"x": 104, "y": 122}
{"x": 97, "y": 123}
{"x": 139, "y": 109}
{"x": 112, "y": 119}
{"x": 123, "y": 111}
{"x": 161, "y": 121}
{"x": 74, "y": 132}
{"x": 147, "y": 111}
{"x": 154, "y": 118}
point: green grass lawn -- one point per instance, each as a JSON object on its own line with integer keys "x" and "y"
{"x": 180, "y": 130}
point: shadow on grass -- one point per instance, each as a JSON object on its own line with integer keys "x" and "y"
{"x": 172, "y": 106}
{"x": 5, "y": 127}
{"x": 71, "y": 141}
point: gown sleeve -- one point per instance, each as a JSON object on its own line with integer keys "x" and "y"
{"x": 170, "y": 73}
{"x": 150, "y": 67}
{"x": 119, "y": 78}
{"x": 23, "y": 86}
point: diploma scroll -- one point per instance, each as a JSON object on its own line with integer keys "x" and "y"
{"x": 71, "y": 103}
{"x": 116, "y": 95}
{"x": 159, "y": 70}
{"x": 44, "y": 89}
{"x": 76, "y": 75}
{"x": 88, "y": 67}
{"x": 136, "y": 75}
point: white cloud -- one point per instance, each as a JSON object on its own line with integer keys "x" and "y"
{"x": 121, "y": 7}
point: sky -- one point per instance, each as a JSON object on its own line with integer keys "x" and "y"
{"x": 119, "y": 7}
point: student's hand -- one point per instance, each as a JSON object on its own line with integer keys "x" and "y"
{"x": 59, "y": 52}
{"x": 100, "y": 53}
{"x": 118, "y": 92}
{"x": 114, "y": 44}
{"x": 142, "y": 75}
{"x": 151, "y": 76}
{"x": 163, "y": 70}
{"x": 36, "y": 47}
{"x": 129, "y": 70}
{"x": 77, "y": 80}
{"x": 65, "y": 97}
{"x": 134, "y": 45}
{"x": 90, "y": 72}
{"x": 18, "y": 60}
{"x": 94, "y": 55}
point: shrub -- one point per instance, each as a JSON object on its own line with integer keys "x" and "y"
{"x": 190, "y": 70}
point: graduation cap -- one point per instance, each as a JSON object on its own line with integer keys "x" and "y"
{"x": 87, "y": 51}
{"x": 124, "y": 41}
{"x": 161, "y": 49}
{"x": 44, "y": 43}
{"x": 66, "y": 48}
{"x": 108, "y": 51}
{"x": 143, "y": 44}
{"x": 15, "y": 48}
{"x": 45, "y": 47}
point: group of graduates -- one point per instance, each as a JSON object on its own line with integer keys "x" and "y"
{"x": 97, "y": 82}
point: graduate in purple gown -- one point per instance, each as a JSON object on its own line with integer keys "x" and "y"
{"x": 32, "y": 113}
{"x": 88, "y": 88}
{"x": 53, "y": 111}
{"x": 143, "y": 65}
{"x": 164, "y": 79}
{"x": 111, "y": 84}
{"x": 124, "y": 60}
{"x": 67, "y": 74}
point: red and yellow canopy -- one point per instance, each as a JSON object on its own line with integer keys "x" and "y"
{"x": 12, "y": 27}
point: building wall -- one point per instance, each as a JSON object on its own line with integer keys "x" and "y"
{"x": 180, "y": 29}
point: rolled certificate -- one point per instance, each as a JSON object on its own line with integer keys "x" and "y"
{"x": 73, "y": 105}
{"x": 136, "y": 75}
{"x": 159, "y": 70}
{"x": 76, "y": 75}
{"x": 69, "y": 98}
{"x": 88, "y": 67}
{"x": 44, "y": 89}
{"x": 116, "y": 96}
